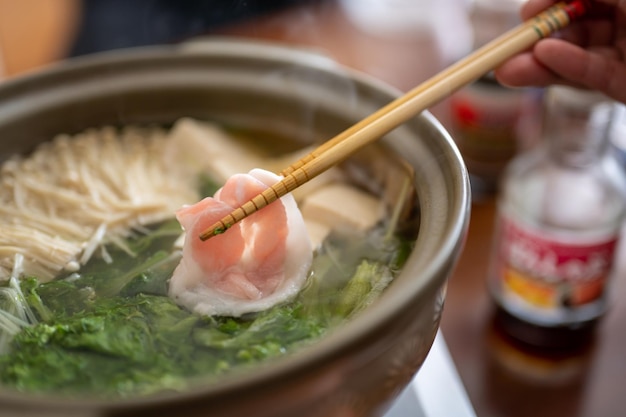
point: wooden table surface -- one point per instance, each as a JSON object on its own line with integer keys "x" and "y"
{"x": 500, "y": 379}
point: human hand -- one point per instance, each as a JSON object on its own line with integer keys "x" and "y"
{"x": 590, "y": 53}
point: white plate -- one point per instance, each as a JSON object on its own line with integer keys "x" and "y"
{"x": 436, "y": 390}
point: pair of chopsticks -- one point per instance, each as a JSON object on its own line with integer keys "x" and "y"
{"x": 412, "y": 103}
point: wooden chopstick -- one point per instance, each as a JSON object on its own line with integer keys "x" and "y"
{"x": 573, "y": 10}
{"x": 410, "y": 104}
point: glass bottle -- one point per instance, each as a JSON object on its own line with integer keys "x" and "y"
{"x": 618, "y": 133}
{"x": 560, "y": 213}
{"x": 490, "y": 122}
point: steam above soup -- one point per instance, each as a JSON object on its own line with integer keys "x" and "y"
{"x": 103, "y": 294}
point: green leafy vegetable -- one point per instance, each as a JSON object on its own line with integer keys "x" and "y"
{"x": 112, "y": 331}
{"x": 121, "y": 346}
{"x": 368, "y": 283}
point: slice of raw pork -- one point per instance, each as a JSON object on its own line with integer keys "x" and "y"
{"x": 257, "y": 263}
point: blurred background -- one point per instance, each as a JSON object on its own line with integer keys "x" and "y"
{"x": 377, "y": 36}
{"x": 402, "y": 43}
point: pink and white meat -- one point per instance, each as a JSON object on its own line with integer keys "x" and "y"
{"x": 257, "y": 263}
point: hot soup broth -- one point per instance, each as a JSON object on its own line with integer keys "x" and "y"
{"x": 103, "y": 321}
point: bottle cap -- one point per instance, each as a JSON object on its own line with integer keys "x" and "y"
{"x": 576, "y": 97}
{"x": 597, "y": 107}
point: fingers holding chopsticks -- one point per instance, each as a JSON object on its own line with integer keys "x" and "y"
{"x": 590, "y": 53}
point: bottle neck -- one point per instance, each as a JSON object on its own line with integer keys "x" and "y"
{"x": 577, "y": 133}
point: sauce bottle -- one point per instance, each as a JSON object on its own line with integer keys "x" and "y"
{"x": 490, "y": 122}
{"x": 560, "y": 213}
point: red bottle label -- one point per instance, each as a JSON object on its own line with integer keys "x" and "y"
{"x": 543, "y": 273}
